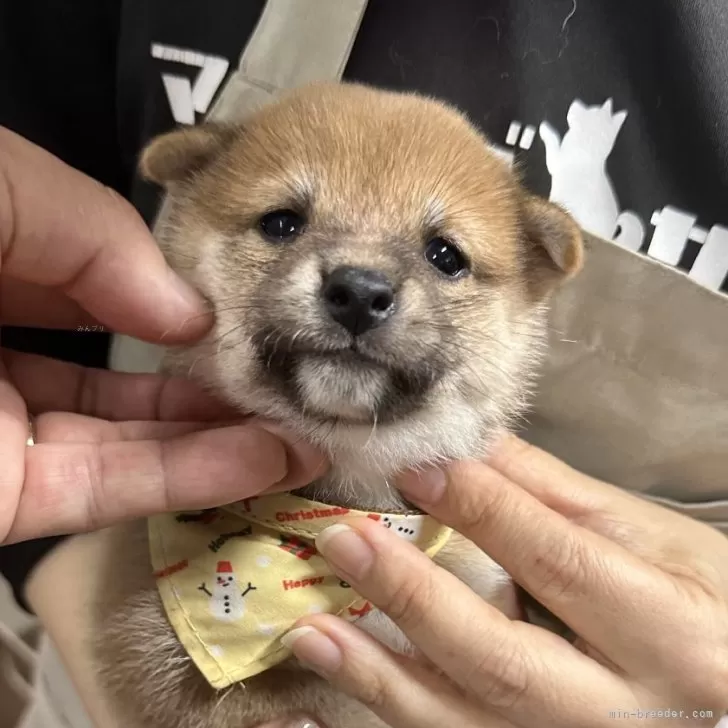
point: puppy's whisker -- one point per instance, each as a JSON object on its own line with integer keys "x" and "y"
{"x": 221, "y": 339}
{"x": 373, "y": 432}
{"x": 192, "y": 367}
{"x": 292, "y": 342}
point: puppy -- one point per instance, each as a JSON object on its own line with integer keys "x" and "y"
{"x": 380, "y": 283}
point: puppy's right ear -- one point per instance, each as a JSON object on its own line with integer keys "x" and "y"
{"x": 554, "y": 242}
{"x": 175, "y": 156}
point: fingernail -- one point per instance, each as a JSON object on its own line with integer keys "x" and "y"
{"x": 305, "y": 462}
{"x": 346, "y": 551}
{"x": 427, "y": 486}
{"x": 188, "y": 296}
{"x": 314, "y": 649}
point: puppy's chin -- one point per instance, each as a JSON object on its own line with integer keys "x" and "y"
{"x": 340, "y": 388}
{"x": 351, "y": 383}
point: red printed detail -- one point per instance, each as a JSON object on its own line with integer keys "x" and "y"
{"x": 374, "y": 516}
{"x": 172, "y": 569}
{"x": 245, "y": 504}
{"x": 311, "y": 514}
{"x": 298, "y": 548}
{"x": 360, "y": 612}
{"x": 301, "y": 583}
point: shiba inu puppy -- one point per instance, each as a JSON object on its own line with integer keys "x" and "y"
{"x": 380, "y": 281}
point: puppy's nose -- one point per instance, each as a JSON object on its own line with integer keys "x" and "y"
{"x": 357, "y": 298}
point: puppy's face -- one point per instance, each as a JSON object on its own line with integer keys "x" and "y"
{"x": 371, "y": 264}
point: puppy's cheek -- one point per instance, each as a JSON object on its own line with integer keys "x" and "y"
{"x": 297, "y": 293}
{"x": 234, "y": 367}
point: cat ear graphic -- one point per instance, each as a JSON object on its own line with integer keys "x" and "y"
{"x": 576, "y": 111}
{"x": 552, "y": 142}
{"x": 619, "y": 119}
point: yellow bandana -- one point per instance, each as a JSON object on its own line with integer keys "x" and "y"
{"x": 234, "y": 580}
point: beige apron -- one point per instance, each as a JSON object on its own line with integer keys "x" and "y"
{"x": 635, "y": 390}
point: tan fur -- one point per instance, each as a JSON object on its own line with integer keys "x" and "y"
{"x": 377, "y": 175}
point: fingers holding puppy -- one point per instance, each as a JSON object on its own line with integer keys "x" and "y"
{"x": 620, "y": 598}
{"x": 510, "y": 669}
{"x": 570, "y": 569}
{"x": 402, "y": 693}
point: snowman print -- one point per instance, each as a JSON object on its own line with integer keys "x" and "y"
{"x": 227, "y": 599}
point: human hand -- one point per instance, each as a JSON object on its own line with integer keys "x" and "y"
{"x": 109, "y": 446}
{"x": 644, "y": 588}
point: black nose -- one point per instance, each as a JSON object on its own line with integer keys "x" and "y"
{"x": 357, "y": 298}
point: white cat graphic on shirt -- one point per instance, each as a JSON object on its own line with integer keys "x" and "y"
{"x": 578, "y": 167}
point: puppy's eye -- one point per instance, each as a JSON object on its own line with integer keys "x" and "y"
{"x": 446, "y": 257}
{"x": 282, "y": 225}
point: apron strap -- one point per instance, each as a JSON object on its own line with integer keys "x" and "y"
{"x": 288, "y": 49}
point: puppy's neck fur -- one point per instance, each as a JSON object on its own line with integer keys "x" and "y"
{"x": 377, "y": 497}
{"x": 366, "y": 461}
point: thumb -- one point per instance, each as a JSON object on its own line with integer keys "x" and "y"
{"x": 61, "y": 229}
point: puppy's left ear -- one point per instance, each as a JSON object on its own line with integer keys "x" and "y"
{"x": 555, "y": 244}
{"x": 177, "y": 155}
